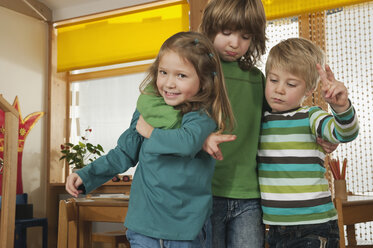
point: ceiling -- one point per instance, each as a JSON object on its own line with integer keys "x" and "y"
{"x": 58, "y": 4}
{"x": 66, "y": 9}
{"x": 57, "y": 10}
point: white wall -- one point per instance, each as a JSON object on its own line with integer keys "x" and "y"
{"x": 23, "y": 70}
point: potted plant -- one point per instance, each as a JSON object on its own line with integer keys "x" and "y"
{"x": 81, "y": 154}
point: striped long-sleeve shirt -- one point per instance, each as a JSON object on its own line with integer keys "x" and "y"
{"x": 293, "y": 188}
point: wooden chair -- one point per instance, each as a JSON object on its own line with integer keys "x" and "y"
{"x": 68, "y": 229}
{"x": 24, "y": 220}
{"x": 356, "y": 209}
{"x": 67, "y": 225}
{"x": 115, "y": 239}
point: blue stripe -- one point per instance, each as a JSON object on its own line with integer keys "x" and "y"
{"x": 291, "y": 167}
{"x": 325, "y": 123}
{"x": 286, "y": 123}
{"x": 346, "y": 116}
{"x": 344, "y": 140}
{"x": 298, "y": 211}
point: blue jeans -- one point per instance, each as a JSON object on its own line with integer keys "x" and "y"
{"x": 203, "y": 240}
{"x": 237, "y": 223}
{"x": 305, "y": 236}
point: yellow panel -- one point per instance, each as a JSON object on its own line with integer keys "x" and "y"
{"x": 130, "y": 37}
{"x": 283, "y": 8}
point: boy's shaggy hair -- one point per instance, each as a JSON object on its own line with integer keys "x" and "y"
{"x": 297, "y": 56}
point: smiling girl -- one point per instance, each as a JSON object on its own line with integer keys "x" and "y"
{"x": 170, "y": 200}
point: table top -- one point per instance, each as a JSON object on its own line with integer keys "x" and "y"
{"x": 103, "y": 200}
{"x": 358, "y": 200}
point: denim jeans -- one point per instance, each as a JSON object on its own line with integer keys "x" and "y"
{"x": 237, "y": 223}
{"x": 325, "y": 235}
{"x": 203, "y": 240}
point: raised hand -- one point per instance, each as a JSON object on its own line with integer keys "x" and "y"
{"x": 334, "y": 92}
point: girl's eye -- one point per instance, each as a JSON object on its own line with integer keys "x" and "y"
{"x": 291, "y": 85}
{"x": 162, "y": 72}
{"x": 180, "y": 75}
{"x": 226, "y": 32}
{"x": 246, "y": 37}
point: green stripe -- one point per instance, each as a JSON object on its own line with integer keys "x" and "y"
{"x": 291, "y": 174}
{"x": 345, "y": 116}
{"x": 291, "y": 130}
{"x": 287, "y": 145}
{"x": 347, "y": 130}
{"x": 293, "y": 189}
{"x": 298, "y": 218}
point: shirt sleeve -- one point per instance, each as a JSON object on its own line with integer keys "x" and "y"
{"x": 184, "y": 141}
{"x": 156, "y": 112}
{"x": 117, "y": 160}
{"x": 336, "y": 128}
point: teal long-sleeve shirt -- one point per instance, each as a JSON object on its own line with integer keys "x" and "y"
{"x": 171, "y": 189}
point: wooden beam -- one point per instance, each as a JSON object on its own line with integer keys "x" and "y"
{"x": 196, "y": 11}
{"x": 108, "y": 73}
{"x": 9, "y": 178}
{"x": 6, "y": 107}
{"x": 41, "y": 9}
{"x": 32, "y": 8}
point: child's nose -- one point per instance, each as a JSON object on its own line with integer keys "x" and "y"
{"x": 234, "y": 41}
{"x": 170, "y": 82}
{"x": 280, "y": 89}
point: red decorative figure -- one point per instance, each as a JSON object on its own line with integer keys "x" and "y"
{"x": 25, "y": 126}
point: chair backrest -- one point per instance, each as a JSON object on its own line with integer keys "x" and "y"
{"x": 20, "y": 199}
{"x": 67, "y": 224}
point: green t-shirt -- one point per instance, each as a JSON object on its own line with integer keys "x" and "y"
{"x": 236, "y": 176}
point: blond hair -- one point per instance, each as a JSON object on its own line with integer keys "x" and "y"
{"x": 298, "y": 56}
{"x": 247, "y": 16}
{"x": 212, "y": 96}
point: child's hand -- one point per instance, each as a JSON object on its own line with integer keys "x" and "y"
{"x": 326, "y": 146}
{"x": 144, "y": 128}
{"x": 333, "y": 91}
{"x": 73, "y": 181}
{"x": 211, "y": 145}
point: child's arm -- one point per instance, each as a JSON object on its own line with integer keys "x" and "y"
{"x": 144, "y": 128}
{"x": 156, "y": 112}
{"x": 334, "y": 92}
{"x": 185, "y": 141}
{"x": 342, "y": 126}
{"x": 211, "y": 144}
{"x": 117, "y": 160}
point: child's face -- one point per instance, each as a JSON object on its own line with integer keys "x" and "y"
{"x": 231, "y": 45}
{"x": 284, "y": 91}
{"x": 177, "y": 79}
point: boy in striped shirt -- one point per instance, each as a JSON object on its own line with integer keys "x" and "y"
{"x": 296, "y": 200}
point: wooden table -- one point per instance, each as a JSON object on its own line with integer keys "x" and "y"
{"x": 56, "y": 189}
{"x": 356, "y": 209}
{"x": 82, "y": 213}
